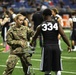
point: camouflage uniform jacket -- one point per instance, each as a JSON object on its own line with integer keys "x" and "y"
{"x": 16, "y": 36}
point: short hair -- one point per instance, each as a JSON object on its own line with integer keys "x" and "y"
{"x": 38, "y": 8}
{"x": 47, "y": 12}
{"x": 55, "y": 10}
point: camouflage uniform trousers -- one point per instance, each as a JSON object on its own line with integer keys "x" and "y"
{"x": 12, "y": 61}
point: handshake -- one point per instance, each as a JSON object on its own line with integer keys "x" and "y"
{"x": 32, "y": 48}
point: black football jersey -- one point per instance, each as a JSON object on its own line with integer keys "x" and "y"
{"x": 50, "y": 32}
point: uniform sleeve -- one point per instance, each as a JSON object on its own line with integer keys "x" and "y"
{"x": 11, "y": 41}
{"x": 30, "y": 32}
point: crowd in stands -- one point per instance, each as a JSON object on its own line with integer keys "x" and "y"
{"x": 30, "y": 5}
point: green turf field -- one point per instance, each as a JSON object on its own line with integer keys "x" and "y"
{"x": 68, "y": 61}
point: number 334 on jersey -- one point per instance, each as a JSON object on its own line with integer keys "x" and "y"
{"x": 49, "y": 26}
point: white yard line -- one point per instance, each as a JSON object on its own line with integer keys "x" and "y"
{"x": 63, "y": 57}
{"x": 38, "y": 69}
{"x": 69, "y": 72}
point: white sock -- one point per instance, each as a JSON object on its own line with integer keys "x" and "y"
{"x": 58, "y": 73}
{"x": 74, "y": 47}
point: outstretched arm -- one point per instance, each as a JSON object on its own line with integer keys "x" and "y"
{"x": 64, "y": 37}
{"x": 35, "y": 35}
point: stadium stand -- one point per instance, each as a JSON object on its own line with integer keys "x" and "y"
{"x": 28, "y": 5}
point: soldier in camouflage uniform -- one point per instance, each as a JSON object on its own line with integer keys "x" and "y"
{"x": 17, "y": 40}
